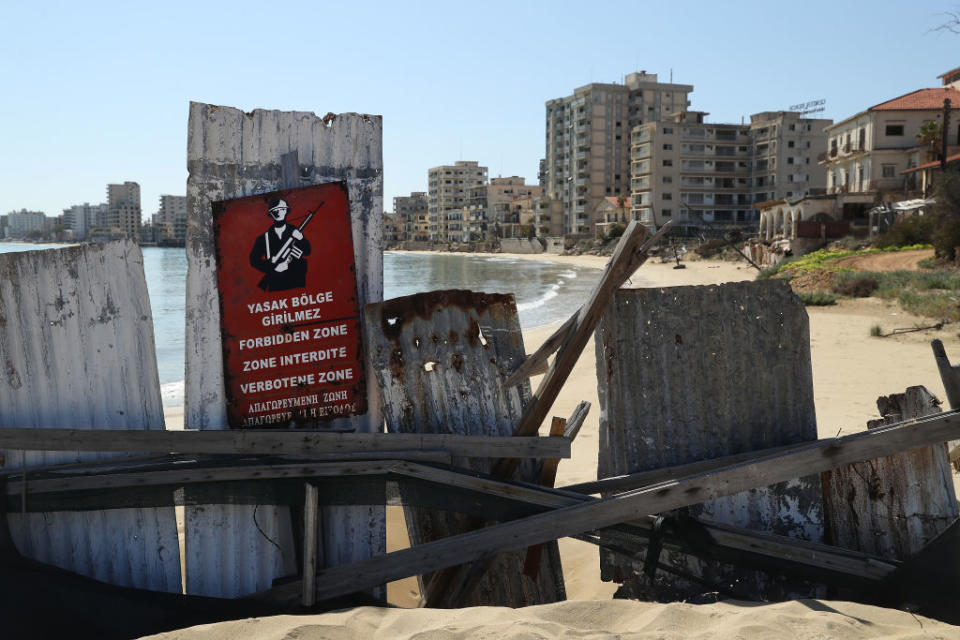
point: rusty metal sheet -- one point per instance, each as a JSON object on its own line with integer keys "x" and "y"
{"x": 893, "y": 506}
{"x": 440, "y": 359}
{"x": 693, "y": 373}
{"x": 232, "y": 154}
{"x": 77, "y": 347}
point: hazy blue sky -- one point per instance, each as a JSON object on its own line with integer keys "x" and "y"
{"x": 96, "y": 92}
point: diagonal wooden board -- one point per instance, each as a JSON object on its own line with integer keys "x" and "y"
{"x": 572, "y": 520}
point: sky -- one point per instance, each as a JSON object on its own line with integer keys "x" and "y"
{"x": 93, "y": 93}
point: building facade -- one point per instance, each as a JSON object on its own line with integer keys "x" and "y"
{"x": 690, "y": 171}
{"x": 785, "y": 150}
{"x": 448, "y": 187}
{"x": 80, "y": 218}
{"x": 412, "y": 213}
{"x": 488, "y": 207}
{"x": 121, "y": 218}
{"x": 172, "y": 218}
{"x": 868, "y": 152}
{"x": 26, "y": 224}
{"x": 588, "y": 141}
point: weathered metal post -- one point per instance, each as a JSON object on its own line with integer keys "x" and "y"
{"x": 236, "y": 550}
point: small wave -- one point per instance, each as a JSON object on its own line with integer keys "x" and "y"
{"x": 539, "y": 302}
{"x": 171, "y": 394}
{"x": 504, "y": 260}
{"x": 568, "y": 274}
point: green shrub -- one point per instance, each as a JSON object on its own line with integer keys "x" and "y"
{"x": 768, "y": 273}
{"x": 932, "y": 304}
{"x": 856, "y": 285}
{"x": 915, "y": 230}
{"x": 876, "y": 331}
{"x": 616, "y": 231}
{"x": 817, "y": 298}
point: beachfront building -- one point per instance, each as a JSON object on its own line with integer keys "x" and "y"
{"x": 785, "y": 148}
{"x": 869, "y": 153}
{"x": 694, "y": 172}
{"x": 490, "y": 207}
{"x": 26, "y": 224}
{"x": 448, "y": 187}
{"x": 121, "y": 218}
{"x": 80, "y": 218}
{"x": 171, "y": 218}
{"x": 690, "y": 171}
{"x": 412, "y": 215}
{"x": 588, "y": 141}
{"x": 610, "y": 213}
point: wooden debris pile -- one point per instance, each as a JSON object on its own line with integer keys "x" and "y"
{"x": 711, "y": 475}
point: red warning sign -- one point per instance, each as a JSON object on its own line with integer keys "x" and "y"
{"x": 290, "y": 315}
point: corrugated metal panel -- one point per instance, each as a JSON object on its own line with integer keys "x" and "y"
{"x": 232, "y": 154}
{"x": 76, "y": 343}
{"x": 440, "y": 359}
{"x": 693, "y": 373}
{"x": 893, "y": 506}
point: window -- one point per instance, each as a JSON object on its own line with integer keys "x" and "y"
{"x": 889, "y": 170}
{"x": 667, "y": 131}
{"x": 668, "y": 196}
{"x": 894, "y": 129}
{"x": 668, "y": 163}
{"x": 667, "y": 179}
{"x": 790, "y": 160}
{"x": 668, "y": 147}
{"x": 666, "y": 213}
{"x": 790, "y": 143}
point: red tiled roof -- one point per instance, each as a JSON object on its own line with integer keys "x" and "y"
{"x": 929, "y": 165}
{"x": 921, "y": 99}
{"x": 613, "y": 200}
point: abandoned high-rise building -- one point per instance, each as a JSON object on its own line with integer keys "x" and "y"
{"x": 122, "y": 215}
{"x": 448, "y": 187}
{"x": 588, "y": 141}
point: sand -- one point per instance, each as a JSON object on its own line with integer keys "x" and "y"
{"x": 850, "y": 369}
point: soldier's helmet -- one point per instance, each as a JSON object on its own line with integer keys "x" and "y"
{"x": 278, "y": 209}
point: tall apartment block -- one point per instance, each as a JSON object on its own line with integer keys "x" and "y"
{"x": 448, "y": 188}
{"x": 80, "y": 218}
{"x": 785, "y": 150}
{"x": 588, "y": 141}
{"x": 173, "y": 216}
{"x": 689, "y": 171}
{"x": 411, "y": 212}
{"x": 123, "y": 210}
{"x": 694, "y": 172}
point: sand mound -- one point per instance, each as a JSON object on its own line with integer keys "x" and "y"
{"x": 593, "y": 620}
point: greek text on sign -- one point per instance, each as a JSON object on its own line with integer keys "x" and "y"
{"x": 290, "y": 318}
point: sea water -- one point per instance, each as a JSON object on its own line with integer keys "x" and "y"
{"x": 546, "y": 292}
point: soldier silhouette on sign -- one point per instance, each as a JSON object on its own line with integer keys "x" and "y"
{"x": 279, "y": 253}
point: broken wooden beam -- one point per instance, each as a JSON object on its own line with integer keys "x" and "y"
{"x": 627, "y": 258}
{"x": 278, "y": 442}
{"x": 572, "y": 520}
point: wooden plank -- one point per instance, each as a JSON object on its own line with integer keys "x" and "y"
{"x": 577, "y": 418}
{"x": 813, "y": 458}
{"x": 950, "y": 375}
{"x": 196, "y": 475}
{"x": 895, "y": 505}
{"x": 671, "y": 365}
{"x": 440, "y": 359}
{"x": 618, "y": 270}
{"x": 311, "y": 522}
{"x": 302, "y": 443}
{"x": 630, "y": 254}
{"x": 644, "y": 478}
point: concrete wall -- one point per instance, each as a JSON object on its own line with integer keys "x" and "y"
{"x": 240, "y": 549}
{"x": 520, "y": 245}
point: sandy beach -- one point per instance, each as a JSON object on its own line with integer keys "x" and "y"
{"x": 850, "y": 369}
